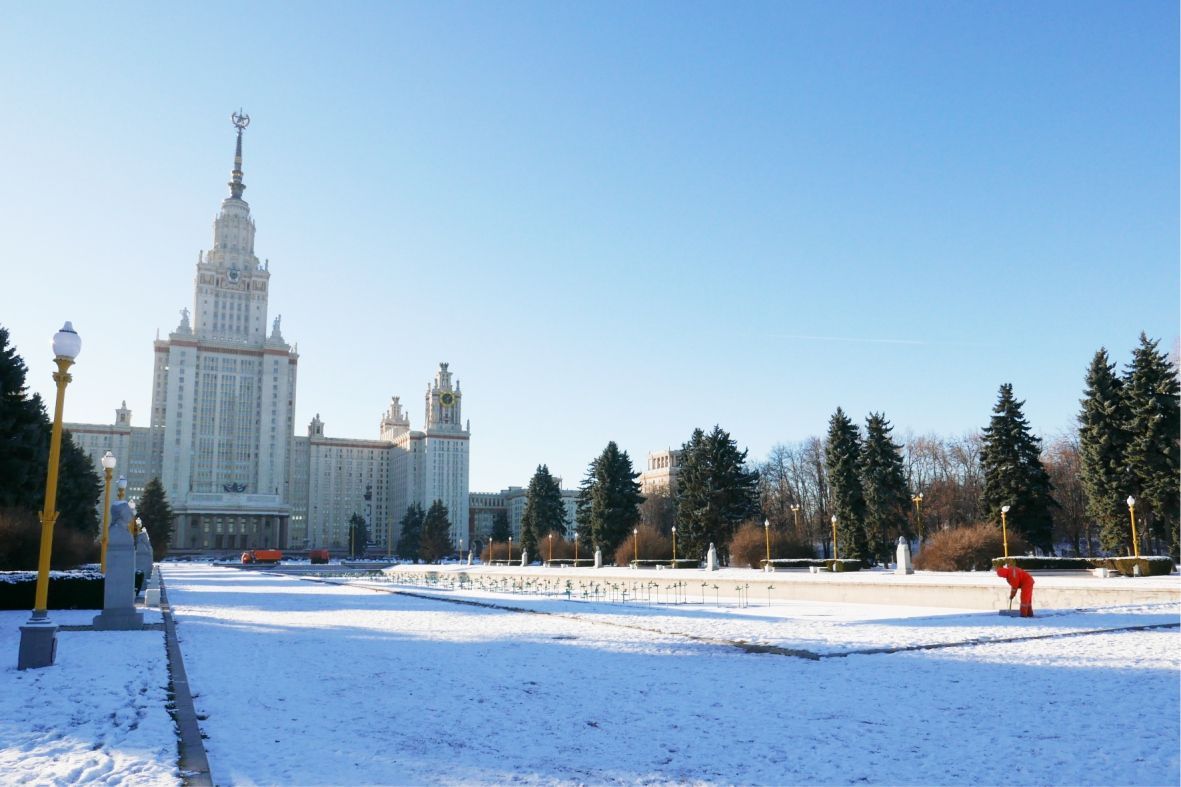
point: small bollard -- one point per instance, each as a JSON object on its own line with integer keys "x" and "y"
{"x": 904, "y": 565}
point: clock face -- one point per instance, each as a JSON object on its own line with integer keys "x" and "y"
{"x": 447, "y": 399}
{"x": 234, "y": 274}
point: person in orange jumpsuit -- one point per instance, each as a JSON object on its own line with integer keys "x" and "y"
{"x": 1019, "y": 579}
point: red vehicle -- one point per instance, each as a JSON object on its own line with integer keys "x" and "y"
{"x": 318, "y": 555}
{"x": 270, "y": 556}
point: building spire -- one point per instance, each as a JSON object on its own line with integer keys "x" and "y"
{"x": 240, "y": 120}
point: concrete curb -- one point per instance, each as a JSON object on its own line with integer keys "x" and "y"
{"x": 193, "y": 763}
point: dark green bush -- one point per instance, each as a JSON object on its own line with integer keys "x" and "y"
{"x": 67, "y": 589}
{"x": 843, "y": 564}
{"x": 1150, "y": 566}
{"x": 1033, "y": 562}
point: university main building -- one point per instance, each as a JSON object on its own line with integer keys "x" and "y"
{"x": 221, "y": 432}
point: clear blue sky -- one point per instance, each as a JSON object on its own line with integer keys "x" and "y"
{"x": 617, "y": 221}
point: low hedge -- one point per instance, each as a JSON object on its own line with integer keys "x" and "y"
{"x": 67, "y": 589}
{"x": 843, "y": 565}
{"x": 1150, "y": 566}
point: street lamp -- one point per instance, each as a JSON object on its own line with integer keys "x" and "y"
{"x": 576, "y": 549}
{"x": 767, "y": 533}
{"x": 918, "y": 507}
{"x": 1132, "y": 514}
{"x": 834, "y": 536}
{"x": 674, "y": 546}
{"x": 636, "y": 545}
{"x": 38, "y": 643}
{"x": 795, "y": 512}
{"x": 108, "y": 463}
{"x": 551, "y": 547}
{"x": 1005, "y": 530}
{"x": 510, "y": 549}
{"x": 121, "y": 487}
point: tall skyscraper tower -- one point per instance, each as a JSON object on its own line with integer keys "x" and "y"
{"x": 223, "y": 394}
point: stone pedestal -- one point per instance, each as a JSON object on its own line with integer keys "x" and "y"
{"x": 524, "y": 557}
{"x": 38, "y": 647}
{"x": 119, "y": 585}
{"x": 598, "y": 558}
{"x": 904, "y": 565}
{"x": 469, "y": 557}
{"x": 711, "y": 559}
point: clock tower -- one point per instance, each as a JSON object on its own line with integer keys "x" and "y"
{"x": 230, "y": 292}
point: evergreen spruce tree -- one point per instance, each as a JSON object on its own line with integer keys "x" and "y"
{"x": 25, "y": 430}
{"x": 79, "y": 490}
{"x": 715, "y": 493}
{"x": 583, "y": 505}
{"x": 544, "y": 510}
{"x": 500, "y": 527}
{"x": 435, "y": 543}
{"x": 612, "y": 499}
{"x": 1010, "y": 459}
{"x": 157, "y": 515}
{"x": 411, "y": 532}
{"x": 1154, "y": 423}
{"x": 842, "y": 458}
{"x": 883, "y": 481}
{"x": 1103, "y": 446}
{"x": 358, "y": 535}
{"x": 24, "y": 435}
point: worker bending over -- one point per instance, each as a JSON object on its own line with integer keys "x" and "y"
{"x": 1019, "y": 579}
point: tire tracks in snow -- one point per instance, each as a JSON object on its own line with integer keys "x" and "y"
{"x": 750, "y": 647}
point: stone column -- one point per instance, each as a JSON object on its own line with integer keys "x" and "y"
{"x": 711, "y": 559}
{"x": 119, "y": 585}
{"x": 598, "y": 558}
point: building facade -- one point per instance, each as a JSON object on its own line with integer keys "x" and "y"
{"x": 221, "y": 437}
{"x": 661, "y": 475}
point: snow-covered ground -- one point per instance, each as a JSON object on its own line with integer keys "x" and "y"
{"x": 97, "y": 716}
{"x": 313, "y": 682}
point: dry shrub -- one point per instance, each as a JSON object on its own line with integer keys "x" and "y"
{"x": 562, "y": 550}
{"x": 652, "y": 545}
{"x": 749, "y": 546}
{"x": 20, "y": 543}
{"x": 969, "y": 548}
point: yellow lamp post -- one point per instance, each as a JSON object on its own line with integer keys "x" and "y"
{"x": 674, "y": 546}
{"x": 767, "y": 534}
{"x": 510, "y": 549}
{"x": 461, "y": 549}
{"x": 1132, "y": 514}
{"x": 551, "y": 547}
{"x": 918, "y": 507}
{"x": 636, "y": 545}
{"x": 491, "y": 548}
{"x": 795, "y": 513}
{"x": 38, "y": 642}
{"x": 1005, "y": 529}
{"x": 108, "y": 463}
{"x": 576, "y": 550}
{"x": 834, "y": 536}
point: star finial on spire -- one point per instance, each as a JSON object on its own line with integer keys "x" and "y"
{"x": 240, "y": 120}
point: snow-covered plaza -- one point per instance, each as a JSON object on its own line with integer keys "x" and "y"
{"x": 368, "y": 681}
